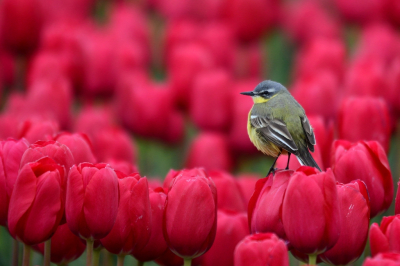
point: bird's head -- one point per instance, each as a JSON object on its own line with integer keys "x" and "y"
{"x": 265, "y": 91}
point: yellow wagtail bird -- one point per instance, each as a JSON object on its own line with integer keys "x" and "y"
{"x": 277, "y": 124}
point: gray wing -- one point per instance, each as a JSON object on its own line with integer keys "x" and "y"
{"x": 274, "y": 130}
{"x": 309, "y": 133}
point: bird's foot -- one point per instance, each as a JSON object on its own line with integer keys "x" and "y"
{"x": 272, "y": 170}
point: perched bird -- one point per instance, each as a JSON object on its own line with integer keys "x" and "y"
{"x": 277, "y": 124}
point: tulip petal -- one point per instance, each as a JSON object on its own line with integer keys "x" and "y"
{"x": 378, "y": 241}
{"x": 24, "y": 185}
{"x": 392, "y": 234}
{"x": 44, "y": 215}
{"x": 4, "y": 198}
{"x": 101, "y": 202}
{"x": 74, "y": 200}
{"x": 303, "y": 214}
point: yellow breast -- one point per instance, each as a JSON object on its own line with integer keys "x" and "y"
{"x": 265, "y": 147}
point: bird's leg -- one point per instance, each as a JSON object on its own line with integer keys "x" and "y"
{"x": 288, "y": 160}
{"x": 272, "y": 169}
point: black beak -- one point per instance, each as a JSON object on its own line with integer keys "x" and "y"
{"x": 248, "y": 93}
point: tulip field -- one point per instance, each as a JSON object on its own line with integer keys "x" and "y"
{"x": 123, "y": 133}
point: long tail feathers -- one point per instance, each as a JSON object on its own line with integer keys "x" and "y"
{"x": 305, "y": 158}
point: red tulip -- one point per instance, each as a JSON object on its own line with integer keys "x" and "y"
{"x": 393, "y": 11}
{"x": 310, "y": 211}
{"x": 247, "y": 184}
{"x": 319, "y": 94}
{"x": 7, "y": 64}
{"x": 53, "y": 149}
{"x": 51, "y": 98}
{"x": 92, "y": 200}
{"x": 383, "y": 259}
{"x": 186, "y": 61}
{"x": 203, "y": 146}
{"x": 113, "y": 143}
{"x": 366, "y": 161}
{"x": 92, "y": 119}
{"x": 37, "y": 202}
{"x": 79, "y": 145}
{"x": 65, "y": 246}
{"x": 307, "y": 19}
{"x": 251, "y": 19}
{"x": 362, "y": 114}
{"x": 190, "y": 214}
{"x": 131, "y": 228}
{"x": 230, "y": 197}
{"x": 249, "y": 61}
{"x": 231, "y": 229}
{"x": 321, "y": 54}
{"x": 37, "y": 129}
{"x": 385, "y": 238}
{"x": 123, "y": 166}
{"x": 21, "y": 24}
{"x": 211, "y": 89}
{"x": 354, "y": 220}
{"x": 362, "y": 12}
{"x": 55, "y": 10}
{"x": 261, "y": 249}
{"x": 238, "y": 138}
{"x": 169, "y": 178}
{"x": 169, "y": 259}
{"x": 156, "y": 245}
{"x": 11, "y": 152}
{"x": 265, "y": 205}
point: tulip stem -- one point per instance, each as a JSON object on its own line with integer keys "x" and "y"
{"x": 96, "y": 257}
{"x": 15, "y": 253}
{"x": 89, "y": 252}
{"x": 47, "y": 253}
{"x": 26, "y": 255}
{"x": 312, "y": 259}
{"x": 187, "y": 262}
{"x": 120, "y": 260}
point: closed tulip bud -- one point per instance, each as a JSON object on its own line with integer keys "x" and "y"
{"x": 92, "y": 200}
{"x": 156, "y": 246}
{"x": 186, "y": 61}
{"x": 53, "y": 149}
{"x": 211, "y": 89}
{"x": 261, "y": 249}
{"x": 250, "y": 19}
{"x": 310, "y": 211}
{"x": 190, "y": 214}
{"x": 383, "y": 259}
{"x": 324, "y": 86}
{"x": 11, "y": 152}
{"x": 37, "y": 130}
{"x": 266, "y": 204}
{"x": 169, "y": 259}
{"x": 91, "y": 120}
{"x": 321, "y": 54}
{"x": 123, "y": 166}
{"x": 133, "y": 223}
{"x": 385, "y": 238}
{"x": 113, "y": 143}
{"x": 203, "y": 145}
{"x": 362, "y": 114}
{"x": 65, "y": 246}
{"x": 79, "y": 145}
{"x": 21, "y": 25}
{"x": 169, "y": 178}
{"x": 247, "y": 184}
{"x": 230, "y": 197}
{"x": 368, "y": 162}
{"x": 249, "y": 61}
{"x": 393, "y": 11}
{"x": 306, "y": 20}
{"x": 37, "y": 202}
{"x": 51, "y": 98}
{"x": 361, "y": 12}
{"x": 231, "y": 229}
{"x": 354, "y": 223}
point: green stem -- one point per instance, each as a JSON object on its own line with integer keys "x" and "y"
{"x": 15, "y": 253}
{"x": 120, "y": 260}
{"x": 26, "y": 255}
{"x": 106, "y": 258}
{"x": 89, "y": 252}
{"x": 96, "y": 257}
{"x": 187, "y": 262}
{"x": 312, "y": 259}
{"x": 47, "y": 253}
